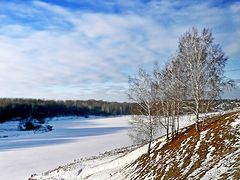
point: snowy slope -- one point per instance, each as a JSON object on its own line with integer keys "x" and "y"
{"x": 119, "y": 165}
{"x": 214, "y": 153}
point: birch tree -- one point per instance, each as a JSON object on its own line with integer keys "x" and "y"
{"x": 162, "y": 106}
{"x": 170, "y": 94}
{"x": 204, "y": 63}
{"x": 142, "y": 126}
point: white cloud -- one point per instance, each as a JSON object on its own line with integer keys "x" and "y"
{"x": 46, "y": 58}
{"x": 93, "y": 55}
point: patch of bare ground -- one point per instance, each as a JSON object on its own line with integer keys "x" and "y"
{"x": 214, "y": 152}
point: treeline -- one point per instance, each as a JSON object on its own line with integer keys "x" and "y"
{"x": 39, "y": 109}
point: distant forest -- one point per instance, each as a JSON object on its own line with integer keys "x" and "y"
{"x": 40, "y": 109}
{"x": 18, "y": 108}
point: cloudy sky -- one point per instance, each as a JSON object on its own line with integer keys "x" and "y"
{"x": 86, "y": 49}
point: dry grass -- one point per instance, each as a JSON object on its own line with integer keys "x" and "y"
{"x": 192, "y": 154}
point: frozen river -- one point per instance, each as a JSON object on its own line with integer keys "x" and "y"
{"x": 26, "y": 153}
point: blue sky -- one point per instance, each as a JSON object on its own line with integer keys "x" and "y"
{"x": 86, "y": 49}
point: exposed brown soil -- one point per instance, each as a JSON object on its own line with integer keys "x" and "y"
{"x": 192, "y": 154}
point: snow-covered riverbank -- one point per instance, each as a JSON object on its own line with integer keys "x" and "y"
{"x": 133, "y": 163}
{"x": 71, "y": 138}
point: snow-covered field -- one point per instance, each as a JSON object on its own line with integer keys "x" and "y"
{"x": 26, "y": 153}
{"x": 107, "y": 166}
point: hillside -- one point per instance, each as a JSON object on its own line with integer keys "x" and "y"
{"x": 213, "y": 153}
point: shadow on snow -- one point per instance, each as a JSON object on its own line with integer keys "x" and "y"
{"x": 58, "y": 136}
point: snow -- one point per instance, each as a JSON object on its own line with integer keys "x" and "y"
{"x": 235, "y": 123}
{"x": 221, "y": 167}
{"x": 87, "y": 171}
{"x": 195, "y": 155}
{"x": 71, "y": 138}
{"x": 210, "y": 151}
{"x": 182, "y": 151}
{"x": 10, "y": 129}
{"x": 110, "y": 168}
{"x": 105, "y": 168}
{"x": 25, "y": 153}
{"x": 204, "y": 165}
